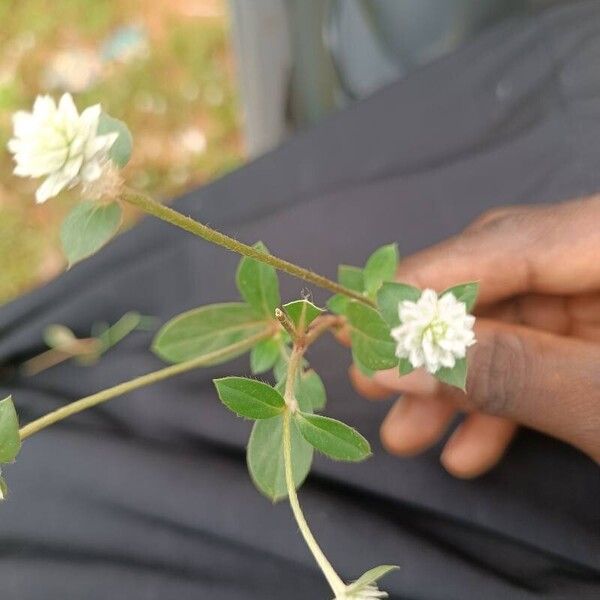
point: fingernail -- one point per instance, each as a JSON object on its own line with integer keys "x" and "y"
{"x": 457, "y": 456}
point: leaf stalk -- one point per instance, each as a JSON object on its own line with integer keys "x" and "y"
{"x": 144, "y": 380}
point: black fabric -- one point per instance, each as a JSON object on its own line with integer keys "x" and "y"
{"x": 148, "y": 496}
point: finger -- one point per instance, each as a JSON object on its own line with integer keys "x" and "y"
{"x": 548, "y": 313}
{"x": 577, "y": 316}
{"x": 477, "y": 445}
{"x": 415, "y": 423}
{"x": 547, "y": 382}
{"x": 417, "y": 382}
{"x": 343, "y": 336}
{"x": 366, "y": 386}
{"x": 585, "y": 308}
{"x": 584, "y": 312}
{"x": 514, "y": 251}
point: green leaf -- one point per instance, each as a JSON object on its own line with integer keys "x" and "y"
{"x": 405, "y": 367}
{"x": 338, "y": 304}
{"x": 120, "y": 152}
{"x": 351, "y": 277}
{"x": 381, "y": 266}
{"x": 389, "y": 298}
{"x": 88, "y": 227}
{"x": 302, "y": 313}
{"x": 207, "y": 329}
{"x": 364, "y": 370}
{"x": 3, "y": 489}
{"x": 249, "y": 398}
{"x": 258, "y": 284}
{"x": 310, "y": 392}
{"x": 370, "y": 577}
{"x": 265, "y": 457}
{"x": 10, "y": 440}
{"x": 372, "y": 345}
{"x": 264, "y": 355}
{"x": 465, "y": 292}
{"x": 280, "y": 369}
{"x": 457, "y": 376}
{"x": 333, "y": 438}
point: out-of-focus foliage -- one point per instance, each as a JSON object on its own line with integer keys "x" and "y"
{"x": 164, "y": 67}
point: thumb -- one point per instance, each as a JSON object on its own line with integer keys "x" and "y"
{"x": 547, "y": 382}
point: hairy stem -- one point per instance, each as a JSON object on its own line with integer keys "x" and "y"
{"x": 294, "y": 363}
{"x": 170, "y": 215}
{"x": 336, "y": 584}
{"x": 139, "y": 382}
{"x": 301, "y": 343}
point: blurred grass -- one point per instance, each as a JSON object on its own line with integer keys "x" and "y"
{"x": 174, "y": 96}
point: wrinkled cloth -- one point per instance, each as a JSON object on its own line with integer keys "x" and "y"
{"x": 148, "y": 496}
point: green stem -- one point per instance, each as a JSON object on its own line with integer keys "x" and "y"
{"x": 139, "y": 382}
{"x": 295, "y": 362}
{"x": 169, "y": 215}
{"x": 336, "y": 584}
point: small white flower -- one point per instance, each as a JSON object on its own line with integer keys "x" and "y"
{"x": 58, "y": 143}
{"x": 367, "y": 592}
{"x": 433, "y": 332}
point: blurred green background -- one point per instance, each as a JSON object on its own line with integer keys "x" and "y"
{"x": 165, "y": 67}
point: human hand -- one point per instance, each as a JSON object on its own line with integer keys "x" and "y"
{"x": 537, "y": 360}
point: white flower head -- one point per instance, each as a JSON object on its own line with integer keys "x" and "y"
{"x": 56, "y": 142}
{"x": 434, "y": 331}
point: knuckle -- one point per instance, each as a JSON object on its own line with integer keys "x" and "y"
{"x": 499, "y": 375}
{"x": 492, "y": 217}
{"x": 508, "y": 220}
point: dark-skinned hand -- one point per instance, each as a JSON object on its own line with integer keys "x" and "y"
{"x": 537, "y": 358}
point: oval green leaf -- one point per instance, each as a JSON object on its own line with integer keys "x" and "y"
{"x": 372, "y": 345}
{"x": 389, "y": 298}
{"x": 264, "y": 355}
{"x": 121, "y": 150}
{"x": 370, "y": 577}
{"x": 457, "y": 376}
{"x": 405, "y": 367}
{"x": 258, "y": 284}
{"x": 302, "y": 313}
{"x": 265, "y": 457}
{"x": 310, "y": 392}
{"x": 207, "y": 329}
{"x": 280, "y": 368}
{"x": 337, "y": 304}
{"x": 333, "y": 438}
{"x": 87, "y": 228}
{"x": 351, "y": 277}
{"x": 381, "y": 266}
{"x": 464, "y": 292}
{"x": 10, "y": 440}
{"x": 249, "y": 398}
